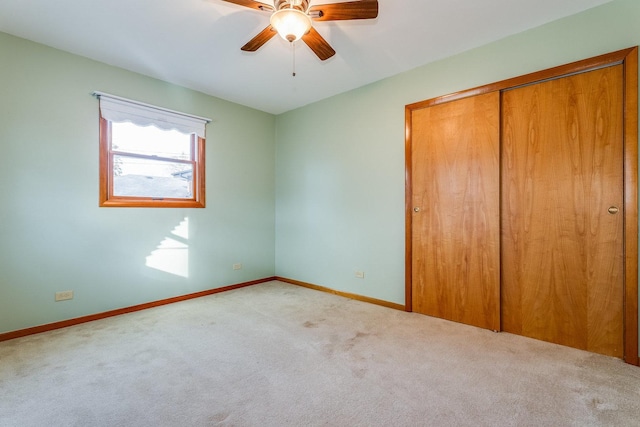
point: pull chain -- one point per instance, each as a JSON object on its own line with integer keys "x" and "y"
{"x": 293, "y": 49}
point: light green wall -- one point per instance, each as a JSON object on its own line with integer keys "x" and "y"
{"x": 340, "y": 162}
{"x": 53, "y": 235}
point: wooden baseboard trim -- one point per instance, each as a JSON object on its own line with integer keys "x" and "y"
{"x": 343, "y": 294}
{"x": 91, "y": 317}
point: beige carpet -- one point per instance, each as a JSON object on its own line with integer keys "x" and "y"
{"x": 280, "y": 355}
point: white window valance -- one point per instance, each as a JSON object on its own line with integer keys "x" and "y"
{"x": 117, "y": 109}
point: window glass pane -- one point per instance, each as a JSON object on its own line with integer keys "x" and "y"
{"x": 150, "y": 141}
{"x": 135, "y": 177}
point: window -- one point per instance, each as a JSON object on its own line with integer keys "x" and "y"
{"x": 150, "y": 156}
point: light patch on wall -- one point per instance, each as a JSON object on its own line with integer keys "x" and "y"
{"x": 172, "y": 254}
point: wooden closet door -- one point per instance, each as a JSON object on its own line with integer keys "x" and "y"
{"x": 562, "y": 239}
{"x": 456, "y": 208}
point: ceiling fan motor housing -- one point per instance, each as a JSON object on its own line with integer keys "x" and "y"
{"x": 301, "y": 5}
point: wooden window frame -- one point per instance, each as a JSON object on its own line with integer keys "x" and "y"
{"x": 108, "y": 199}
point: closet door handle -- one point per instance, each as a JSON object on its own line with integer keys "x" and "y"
{"x": 416, "y": 209}
{"x": 613, "y": 210}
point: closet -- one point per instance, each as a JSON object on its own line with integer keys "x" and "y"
{"x": 521, "y": 206}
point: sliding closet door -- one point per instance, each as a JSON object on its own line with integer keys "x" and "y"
{"x": 456, "y": 210}
{"x": 562, "y": 220}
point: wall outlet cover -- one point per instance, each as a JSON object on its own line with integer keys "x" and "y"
{"x": 64, "y": 295}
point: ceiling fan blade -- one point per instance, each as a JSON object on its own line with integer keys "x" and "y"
{"x": 251, "y": 4}
{"x": 318, "y": 44}
{"x": 364, "y": 9}
{"x": 257, "y": 42}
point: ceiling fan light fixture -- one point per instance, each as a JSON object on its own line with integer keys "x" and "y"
{"x": 291, "y": 23}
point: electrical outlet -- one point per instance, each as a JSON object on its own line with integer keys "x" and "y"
{"x": 237, "y": 266}
{"x": 360, "y": 274}
{"x": 64, "y": 295}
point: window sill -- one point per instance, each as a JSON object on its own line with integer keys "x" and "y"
{"x": 151, "y": 203}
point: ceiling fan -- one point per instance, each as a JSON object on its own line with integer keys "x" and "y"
{"x": 292, "y": 19}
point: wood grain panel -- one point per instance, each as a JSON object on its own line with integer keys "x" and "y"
{"x": 562, "y": 251}
{"x": 456, "y": 233}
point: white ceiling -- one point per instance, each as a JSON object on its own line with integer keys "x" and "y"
{"x": 196, "y": 43}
